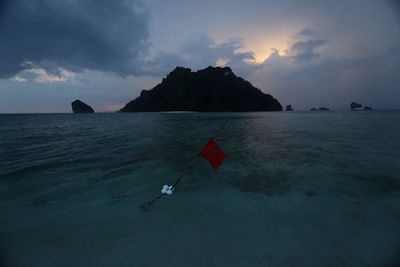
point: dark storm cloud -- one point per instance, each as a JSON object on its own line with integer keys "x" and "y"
{"x": 395, "y": 4}
{"x": 92, "y": 34}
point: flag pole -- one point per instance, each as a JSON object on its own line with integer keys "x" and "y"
{"x": 146, "y": 206}
{"x": 188, "y": 168}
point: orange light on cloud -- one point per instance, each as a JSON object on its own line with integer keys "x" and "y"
{"x": 262, "y": 49}
{"x": 262, "y": 41}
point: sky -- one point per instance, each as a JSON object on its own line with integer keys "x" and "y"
{"x": 306, "y": 53}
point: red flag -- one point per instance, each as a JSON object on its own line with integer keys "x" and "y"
{"x": 213, "y": 153}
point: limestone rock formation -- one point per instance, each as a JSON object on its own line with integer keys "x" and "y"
{"x": 211, "y": 89}
{"x": 289, "y": 108}
{"x": 80, "y": 107}
{"x": 354, "y": 106}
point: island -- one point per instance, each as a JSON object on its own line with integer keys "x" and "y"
{"x": 358, "y": 107}
{"x": 355, "y": 106}
{"x": 215, "y": 89}
{"x": 80, "y": 107}
{"x": 289, "y": 108}
{"x": 320, "y": 109}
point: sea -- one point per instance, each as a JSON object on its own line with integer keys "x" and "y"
{"x": 295, "y": 189}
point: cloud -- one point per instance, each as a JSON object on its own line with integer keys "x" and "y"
{"x": 42, "y": 76}
{"x": 202, "y": 51}
{"x": 305, "y": 79}
{"x": 73, "y": 35}
{"x": 305, "y": 50}
{"x": 104, "y": 91}
{"x": 305, "y": 75}
{"x": 307, "y": 32}
{"x": 395, "y": 5}
{"x": 306, "y": 46}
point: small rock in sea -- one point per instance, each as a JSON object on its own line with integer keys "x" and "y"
{"x": 354, "y": 106}
{"x": 313, "y": 109}
{"x": 323, "y": 109}
{"x": 367, "y": 108}
{"x": 289, "y": 108}
{"x": 80, "y": 107}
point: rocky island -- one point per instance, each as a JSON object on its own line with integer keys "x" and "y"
{"x": 289, "y": 108}
{"x": 211, "y": 89}
{"x": 320, "y": 109}
{"x": 80, "y": 107}
{"x": 355, "y": 106}
{"x": 358, "y": 107}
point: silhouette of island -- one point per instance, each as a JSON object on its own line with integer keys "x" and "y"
{"x": 358, "y": 107}
{"x": 354, "y": 106}
{"x": 80, "y": 107}
{"x": 289, "y": 108}
{"x": 211, "y": 89}
{"x": 320, "y": 109}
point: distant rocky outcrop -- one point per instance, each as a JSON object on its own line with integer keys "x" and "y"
{"x": 80, "y": 107}
{"x": 358, "y": 107}
{"x": 289, "y": 108}
{"x": 211, "y": 89}
{"x": 320, "y": 109}
{"x": 354, "y": 106}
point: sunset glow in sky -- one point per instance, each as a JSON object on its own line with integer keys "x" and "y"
{"x": 306, "y": 53}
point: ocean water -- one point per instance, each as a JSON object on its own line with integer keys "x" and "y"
{"x": 296, "y": 189}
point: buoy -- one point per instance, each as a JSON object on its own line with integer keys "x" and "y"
{"x": 167, "y": 189}
{"x": 211, "y": 152}
{"x": 164, "y": 189}
{"x": 170, "y": 190}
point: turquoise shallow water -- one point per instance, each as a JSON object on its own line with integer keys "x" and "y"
{"x": 297, "y": 189}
